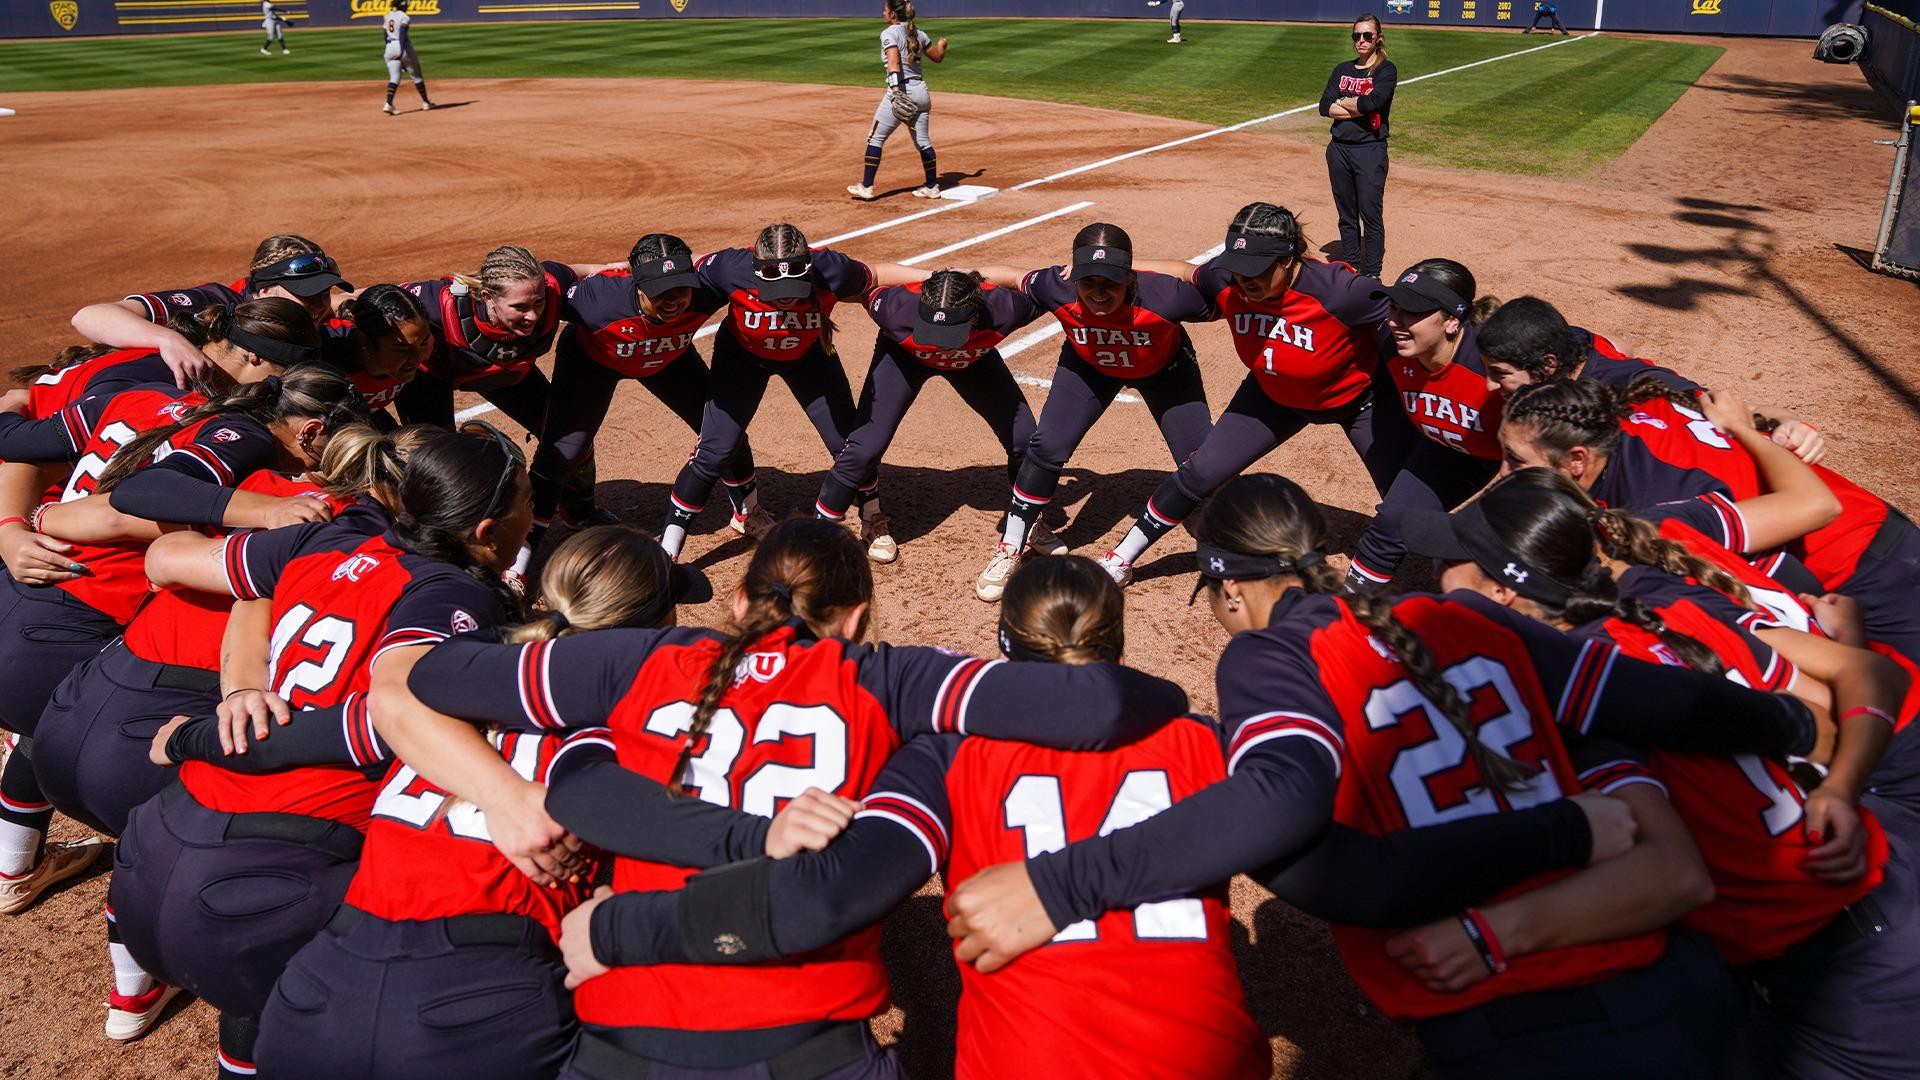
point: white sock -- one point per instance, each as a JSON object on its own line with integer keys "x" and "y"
{"x": 1132, "y": 546}
{"x": 673, "y": 540}
{"x": 129, "y": 978}
{"x": 18, "y": 845}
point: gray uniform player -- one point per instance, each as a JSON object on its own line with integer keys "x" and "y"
{"x": 275, "y": 24}
{"x": 400, "y": 56}
{"x": 902, "y": 45}
{"x": 1173, "y": 17}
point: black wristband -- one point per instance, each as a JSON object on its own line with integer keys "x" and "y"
{"x": 726, "y": 916}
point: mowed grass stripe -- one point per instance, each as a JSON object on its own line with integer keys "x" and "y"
{"x": 1562, "y": 109}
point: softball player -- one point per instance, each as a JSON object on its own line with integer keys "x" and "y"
{"x": 280, "y": 848}
{"x": 1308, "y": 333}
{"x": 275, "y": 24}
{"x": 46, "y": 632}
{"x": 902, "y": 44}
{"x": 400, "y": 56}
{"x": 284, "y": 265}
{"x": 948, "y": 326}
{"x": 1804, "y": 884}
{"x": 1173, "y": 17}
{"x": 836, "y": 710}
{"x": 634, "y": 322}
{"x": 948, "y": 805}
{"x": 780, "y": 298}
{"x": 1123, "y": 331}
{"x": 382, "y": 342}
{"x": 1367, "y": 681}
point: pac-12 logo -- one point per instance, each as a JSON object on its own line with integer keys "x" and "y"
{"x": 65, "y": 12}
{"x": 1399, "y": 7}
{"x": 464, "y": 623}
{"x": 181, "y": 298}
{"x": 355, "y": 568}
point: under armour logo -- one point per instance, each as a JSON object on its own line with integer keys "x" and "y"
{"x": 939, "y": 316}
{"x": 1518, "y": 575}
{"x": 1240, "y": 244}
{"x": 1218, "y": 566}
{"x": 1099, "y": 254}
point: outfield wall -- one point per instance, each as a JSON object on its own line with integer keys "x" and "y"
{"x": 1778, "y": 18}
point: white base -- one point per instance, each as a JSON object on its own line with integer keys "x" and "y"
{"x": 6, "y": 112}
{"x": 969, "y": 192}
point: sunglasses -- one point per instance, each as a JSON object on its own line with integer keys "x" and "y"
{"x": 298, "y": 267}
{"x": 516, "y": 460}
{"x": 783, "y": 270}
{"x": 1363, "y": 35}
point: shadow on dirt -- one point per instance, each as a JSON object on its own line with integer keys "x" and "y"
{"x": 1842, "y": 102}
{"x": 1746, "y": 252}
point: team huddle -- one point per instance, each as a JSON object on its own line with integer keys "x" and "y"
{"x": 415, "y": 772}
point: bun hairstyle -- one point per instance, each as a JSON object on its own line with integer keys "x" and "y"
{"x": 597, "y": 579}
{"x": 904, "y": 12}
{"x": 1261, "y": 514}
{"x": 305, "y": 392}
{"x": 1553, "y": 526}
{"x": 1566, "y": 413}
{"x": 1062, "y": 609}
{"x": 445, "y": 493}
{"x": 806, "y": 569}
{"x": 955, "y": 289}
{"x": 503, "y": 267}
{"x": 361, "y": 460}
{"x": 1457, "y": 279}
{"x": 1266, "y": 219}
{"x": 1530, "y": 335}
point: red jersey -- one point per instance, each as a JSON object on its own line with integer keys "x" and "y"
{"x": 1136, "y": 341}
{"x": 1402, "y": 765}
{"x": 108, "y": 373}
{"x": 1744, "y": 811}
{"x": 1451, "y": 406}
{"x": 1315, "y": 346}
{"x": 766, "y": 330}
{"x": 1155, "y": 989}
{"x": 895, "y": 310}
{"x": 340, "y": 599}
{"x": 184, "y": 626}
{"x": 428, "y": 856}
{"x": 605, "y": 325}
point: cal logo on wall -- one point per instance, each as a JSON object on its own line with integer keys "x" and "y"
{"x": 678, "y": 5}
{"x": 1706, "y": 7}
{"x": 65, "y": 12}
{"x": 377, "y": 9}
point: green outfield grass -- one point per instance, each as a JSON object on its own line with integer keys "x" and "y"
{"x": 1558, "y": 110}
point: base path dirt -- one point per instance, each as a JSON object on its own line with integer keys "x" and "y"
{"x": 1710, "y": 245}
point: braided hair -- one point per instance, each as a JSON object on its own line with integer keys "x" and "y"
{"x": 955, "y": 289}
{"x": 1267, "y": 219}
{"x": 1270, "y": 515}
{"x": 903, "y": 11}
{"x": 1566, "y": 413}
{"x": 1551, "y": 524}
{"x": 503, "y": 266}
{"x": 1108, "y": 235}
{"x": 305, "y": 392}
{"x": 806, "y": 569}
{"x": 783, "y": 240}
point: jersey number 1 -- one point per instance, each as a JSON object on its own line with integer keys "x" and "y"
{"x": 1034, "y": 806}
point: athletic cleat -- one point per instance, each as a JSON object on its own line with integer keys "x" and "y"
{"x": 426, "y": 106}
{"x": 264, "y": 52}
{"x": 389, "y": 109}
{"x": 1120, "y": 572}
{"x": 860, "y": 191}
{"x": 876, "y": 532}
{"x": 286, "y": 52}
{"x": 128, "y": 1018}
{"x": 993, "y": 580}
{"x": 1041, "y": 541}
{"x": 753, "y": 526}
{"x": 61, "y": 860}
{"x": 931, "y": 191}
{"x": 1174, "y": 40}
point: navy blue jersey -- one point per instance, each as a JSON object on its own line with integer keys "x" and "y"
{"x": 169, "y": 304}
{"x": 1138, "y": 340}
{"x": 765, "y": 329}
{"x": 604, "y": 325}
{"x": 1607, "y": 364}
{"x": 1314, "y": 346}
{"x": 895, "y": 310}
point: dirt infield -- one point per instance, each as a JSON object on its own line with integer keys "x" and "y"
{"x": 1711, "y": 244}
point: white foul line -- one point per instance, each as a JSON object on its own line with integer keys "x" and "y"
{"x": 1244, "y": 124}
{"x": 995, "y": 234}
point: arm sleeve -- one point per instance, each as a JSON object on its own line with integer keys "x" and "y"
{"x": 1087, "y": 707}
{"x": 194, "y": 483}
{"x": 57, "y": 438}
{"x": 621, "y": 811}
{"x": 844, "y": 277}
{"x": 1380, "y": 98}
{"x": 337, "y": 735}
{"x": 1177, "y": 300}
{"x": 166, "y": 304}
{"x": 1349, "y": 298}
{"x": 516, "y": 685}
{"x": 1048, "y": 288}
{"x": 1415, "y": 876}
{"x": 1010, "y": 309}
{"x": 1277, "y": 801}
{"x": 809, "y": 901}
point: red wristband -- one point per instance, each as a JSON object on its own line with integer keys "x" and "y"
{"x": 1481, "y": 934}
{"x": 1857, "y": 710}
{"x": 5, "y": 521}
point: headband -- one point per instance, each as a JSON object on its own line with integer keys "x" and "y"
{"x": 1013, "y": 650}
{"x": 1221, "y": 564}
{"x": 284, "y": 353}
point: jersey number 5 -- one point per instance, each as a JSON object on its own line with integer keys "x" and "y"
{"x": 1034, "y": 806}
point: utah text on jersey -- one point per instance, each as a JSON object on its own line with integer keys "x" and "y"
{"x": 1261, "y": 324}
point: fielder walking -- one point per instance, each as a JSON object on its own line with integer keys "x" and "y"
{"x": 275, "y": 24}
{"x": 1173, "y": 17}
{"x": 400, "y": 56}
{"x": 902, "y": 44}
